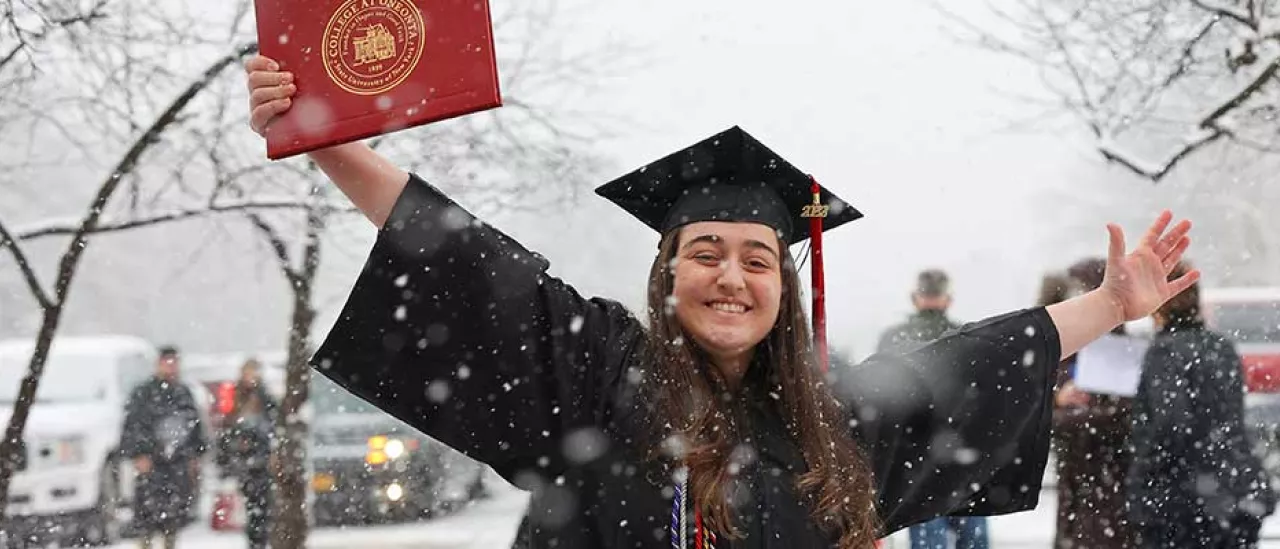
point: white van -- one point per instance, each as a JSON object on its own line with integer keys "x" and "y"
{"x": 72, "y": 485}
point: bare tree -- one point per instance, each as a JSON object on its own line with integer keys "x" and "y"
{"x": 1154, "y": 81}
{"x": 25, "y": 25}
{"x": 537, "y": 150}
{"x": 52, "y": 302}
{"x": 299, "y": 267}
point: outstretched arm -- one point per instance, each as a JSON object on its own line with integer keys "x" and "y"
{"x": 960, "y": 426}
{"x": 367, "y": 178}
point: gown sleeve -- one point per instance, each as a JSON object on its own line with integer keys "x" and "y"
{"x": 959, "y": 426}
{"x": 456, "y": 329}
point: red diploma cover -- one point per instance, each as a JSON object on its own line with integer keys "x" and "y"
{"x": 370, "y": 67}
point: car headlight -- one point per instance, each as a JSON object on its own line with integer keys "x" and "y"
{"x": 395, "y": 491}
{"x": 383, "y": 449}
{"x": 394, "y": 449}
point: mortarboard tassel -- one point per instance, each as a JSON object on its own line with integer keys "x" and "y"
{"x": 816, "y": 214}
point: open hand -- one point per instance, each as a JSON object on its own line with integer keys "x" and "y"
{"x": 270, "y": 91}
{"x": 1138, "y": 283}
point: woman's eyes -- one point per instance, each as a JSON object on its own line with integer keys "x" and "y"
{"x": 711, "y": 259}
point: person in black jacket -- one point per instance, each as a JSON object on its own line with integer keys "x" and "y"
{"x": 1194, "y": 481}
{"x": 710, "y": 424}
{"x": 164, "y": 437}
{"x": 246, "y": 446}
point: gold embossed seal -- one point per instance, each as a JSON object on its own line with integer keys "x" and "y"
{"x": 371, "y": 46}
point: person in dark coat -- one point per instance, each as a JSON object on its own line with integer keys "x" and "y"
{"x": 931, "y": 299}
{"x": 1091, "y": 438}
{"x": 246, "y": 450}
{"x": 711, "y": 424}
{"x": 1194, "y": 481}
{"x": 164, "y": 437}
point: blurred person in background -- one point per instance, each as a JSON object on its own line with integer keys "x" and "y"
{"x": 164, "y": 437}
{"x": 1194, "y": 481}
{"x": 246, "y": 450}
{"x": 1091, "y": 439}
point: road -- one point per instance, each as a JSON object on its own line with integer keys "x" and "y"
{"x": 491, "y": 524}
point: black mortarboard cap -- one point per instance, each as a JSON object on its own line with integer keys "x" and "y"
{"x": 730, "y": 176}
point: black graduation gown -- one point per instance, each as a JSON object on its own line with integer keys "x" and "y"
{"x": 456, "y": 329}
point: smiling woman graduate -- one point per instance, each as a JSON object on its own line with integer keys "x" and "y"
{"x": 711, "y": 424}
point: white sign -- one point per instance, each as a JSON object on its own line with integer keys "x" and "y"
{"x": 1111, "y": 365}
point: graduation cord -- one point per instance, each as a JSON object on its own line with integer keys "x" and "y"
{"x": 804, "y": 256}
{"x": 677, "y": 515}
{"x": 702, "y": 538}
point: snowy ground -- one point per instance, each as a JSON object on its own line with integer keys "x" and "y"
{"x": 491, "y": 524}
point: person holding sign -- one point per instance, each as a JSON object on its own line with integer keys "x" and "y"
{"x": 709, "y": 423}
{"x": 1091, "y": 429}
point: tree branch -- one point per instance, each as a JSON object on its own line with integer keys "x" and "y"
{"x": 1243, "y": 95}
{"x": 94, "y": 13}
{"x": 8, "y": 57}
{"x": 129, "y": 161}
{"x": 1209, "y": 130}
{"x": 1227, "y": 12}
{"x": 28, "y": 274}
{"x": 278, "y": 246}
{"x": 58, "y": 229}
{"x": 1157, "y": 172}
{"x": 1188, "y": 53}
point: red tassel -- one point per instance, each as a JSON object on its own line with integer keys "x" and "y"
{"x": 819, "y": 285}
{"x": 697, "y": 529}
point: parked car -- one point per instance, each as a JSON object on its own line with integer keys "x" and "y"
{"x": 368, "y": 467}
{"x": 71, "y": 485}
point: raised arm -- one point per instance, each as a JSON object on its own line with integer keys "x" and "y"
{"x": 455, "y": 328}
{"x": 367, "y": 178}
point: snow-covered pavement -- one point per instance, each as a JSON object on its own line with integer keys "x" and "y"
{"x": 491, "y": 524}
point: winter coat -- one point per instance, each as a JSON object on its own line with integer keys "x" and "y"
{"x": 1093, "y": 457}
{"x": 1193, "y": 474}
{"x": 245, "y": 443}
{"x": 163, "y": 423}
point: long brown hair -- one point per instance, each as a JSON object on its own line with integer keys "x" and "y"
{"x": 696, "y": 427}
{"x": 1054, "y": 288}
{"x": 1184, "y": 307}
